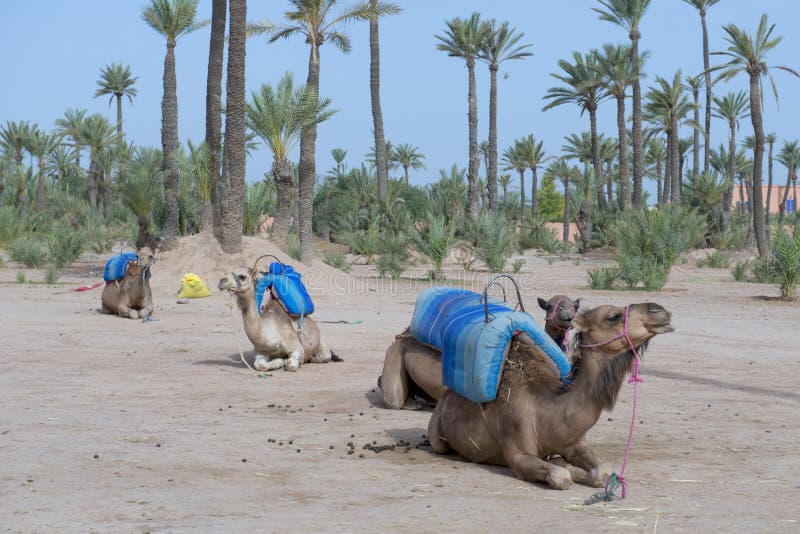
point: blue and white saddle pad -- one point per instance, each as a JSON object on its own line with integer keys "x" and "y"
{"x": 117, "y": 266}
{"x": 474, "y": 351}
{"x": 288, "y": 287}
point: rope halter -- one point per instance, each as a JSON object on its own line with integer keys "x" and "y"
{"x": 554, "y": 321}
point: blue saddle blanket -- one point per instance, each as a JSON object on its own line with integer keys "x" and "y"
{"x": 289, "y": 288}
{"x": 117, "y": 266}
{"x": 474, "y": 351}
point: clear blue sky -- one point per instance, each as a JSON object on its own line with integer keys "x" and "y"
{"x": 54, "y": 51}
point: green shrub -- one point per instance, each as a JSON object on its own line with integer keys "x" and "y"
{"x": 539, "y": 236}
{"x": 51, "y": 275}
{"x": 734, "y": 237}
{"x": 389, "y": 265}
{"x": 434, "y": 239}
{"x": 784, "y": 259}
{"x": 516, "y": 265}
{"x": 649, "y": 242}
{"x": 29, "y": 251}
{"x": 715, "y": 260}
{"x": 2, "y": 262}
{"x": 336, "y": 259}
{"x": 66, "y": 246}
{"x": 20, "y": 278}
{"x": 740, "y": 269}
{"x": 494, "y": 241}
{"x": 762, "y": 272}
{"x": 10, "y": 225}
{"x": 293, "y": 246}
{"x": 603, "y": 277}
{"x": 366, "y": 242}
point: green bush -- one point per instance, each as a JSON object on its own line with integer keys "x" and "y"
{"x": 494, "y": 241}
{"x": 762, "y": 272}
{"x": 20, "y": 278}
{"x": 389, "y": 265}
{"x": 434, "y": 239}
{"x": 649, "y": 242}
{"x": 366, "y": 242}
{"x": 784, "y": 259}
{"x": 740, "y": 269}
{"x": 539, "y": 236}
{"x": 2, "y": 262}
{"x": 336, "y": 259}
{"x": 715, "y": 260}
{"x": 51, "y": 275}
{"x": 603, "y": 277}
{"x": 66, "y": 246}
{"x": 10, "y": 225}
{"x": 29, "y": 251}
{"x": 516, "y": 265}
{"x": 293, "y": 246}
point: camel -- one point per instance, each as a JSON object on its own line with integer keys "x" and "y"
{"x": 534, "y": 418}
{"x": 277, "y": 337}
{"x": 412, "y": 371}
{"x": 131, "y": 296}
{"x": 560, "y": 311}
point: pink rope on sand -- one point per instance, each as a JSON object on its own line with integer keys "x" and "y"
{"x": 635, "y": 379}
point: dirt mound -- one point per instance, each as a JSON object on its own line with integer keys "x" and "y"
{"x": 201, "y": 254}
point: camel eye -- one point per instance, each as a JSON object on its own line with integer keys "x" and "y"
{"x": 614, "y": 319}
{"x": 242, "y": 277}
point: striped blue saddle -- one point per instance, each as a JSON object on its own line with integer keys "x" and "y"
{"x": 288, "y": 287}
{"x": 117, "y": 266}
{"x": 473, "y": 350}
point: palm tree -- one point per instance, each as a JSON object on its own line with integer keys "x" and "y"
{"x": 583, "y": 87}
{"x": 655, "y": 155}
{"x": 13, "y": 138}
{"x": 609, "y": 148}
{"x": 534, "y": 156}
{"x": 60, "y": 162}
{"x": 235, "y": 149}
{"x": 731, "y": 108}
{"x": 514, "y": 159}
{"x": 500, "y": 45}
{"x": 172, "y": 19}
{"x": 115, "y": 80}
{"x": 702, "y": 7}
{"x": 668, "y": 104}
{"x": 748, "y": 54}
{"x": 140, "y": 190}
{"x": 771, "y": 138}
{"x": 504, "y": 180}
{"x": 465, "y": 38}
{"x": 372, "y": 157}
{"x": 71, "y": 125}
{"x": 616, "y": 68}
{"x": 693, "y": 83}
{"x": 483, "y": 151}
{"x": 314, "y": 22}
{"x": 216, "y": 58}
{"x": 381, "y": 158}
{"x": 278, "y": 116}
{"x": 408, "y": 156}
{"x": 627, "y": 14}
{"x": 40, "y": 144}
{"x": 789, "y": 157}
{"x": 338, "y": 155}
{"x": 98, "y": 135}
{"x": 560, "y": 170}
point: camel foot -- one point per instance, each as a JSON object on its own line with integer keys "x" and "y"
{"x": 558, "y": 478}
{"x": 264, "y": 365}
{"x": 293, "y": 365}
{"x": 133, "y": 314}
{"x": 320, "y": 358}
{"x": 599, "y": 475}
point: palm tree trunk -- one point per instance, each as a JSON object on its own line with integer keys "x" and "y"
{"x": 375, "y": 95}
{"x": 675, "y": 194}
{"x": 283, "y": 173}
{"x": 636, "y": 134}
{"x": 216, "y": 56}
{"x": 307, "y": 166}
{"x": 491, "y": 165}
{"x": 757, "y": 202}
{"x": 742, "y": 205}
{"x": 665, "y": 195}
{"x": 473, "y": 195}
{"x": 610, "y": 181}
{"x": 707, "y": 140}
{"x": 534, "y": 194}
{"x": 782, "y": 208}
{"x": 119, "y": 116}
{"x": 522, "y": 194}
{"x": 565, "y": 220}
{"x": 696, "y": 135}
{"x": 93, "y": 186}
{"x": 234, "y": 164}
{"x": 659, "y": 176}
{"x": 727, "y": 199}
{"x": 624, "y": 191}
{"x": 596, "y": 163}
{"x": 769, "y": 187}
{"x": 39, "y": 205}
{"x": 405, "y": 173}
{"x": 169, "y": 146}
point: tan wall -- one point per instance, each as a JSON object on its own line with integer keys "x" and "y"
{"x": 774, "y": 200}
{"x": 559, "y": 228}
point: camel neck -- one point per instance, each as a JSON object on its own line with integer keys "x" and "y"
{"x": 598, "y": 383}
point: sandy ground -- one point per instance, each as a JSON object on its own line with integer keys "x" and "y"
{"x": 109, "y": 424}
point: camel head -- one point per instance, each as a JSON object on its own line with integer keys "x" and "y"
{"x": 560, "y": 310}
{"x": 146, "y": 258}
{"x": 240, "y": 281}
{"x": 604, "y": 326}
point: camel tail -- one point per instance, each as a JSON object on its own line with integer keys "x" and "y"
{"x": 335, "y": 357}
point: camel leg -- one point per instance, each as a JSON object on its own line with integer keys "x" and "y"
{"x": 394, "y": 378}
{"x": 533, "y": 469}
{"x": 438, "y": 443}
{"x": 424, "y": 367}
{"x": 124, "y": 311}
{"x": 587, "y": 468}
{"x": 294, "y": 358}
{"x": 263, "y": 364}
{"x": 323, "y": 353}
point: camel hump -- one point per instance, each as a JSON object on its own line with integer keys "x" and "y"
{"x": 117, "y": 266}
{"x": 287, "y": 285}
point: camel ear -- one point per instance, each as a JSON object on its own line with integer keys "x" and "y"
{"x": 543, "y": 304}
{"x": 580, "y": 323}
{"x": 577, "y": 304}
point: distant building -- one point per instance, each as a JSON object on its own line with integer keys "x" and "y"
{"x": 774, "y": 200}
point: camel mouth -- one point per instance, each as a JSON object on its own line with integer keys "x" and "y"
{"x": 663, "y": 328}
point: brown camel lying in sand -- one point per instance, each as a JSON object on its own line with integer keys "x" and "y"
{"x": 534, "y": 418}
{"x": 131, "y": 296}
{"x": 412, "y": 371}
{"x": 560, "y": 310}
{"x": 276, "y": 336}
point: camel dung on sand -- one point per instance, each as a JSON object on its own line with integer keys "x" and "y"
{"x": 277, "y": 337}
{"x": 412, "y": 371}
{"x": 131, "y": 296}
{"x": 535, "y": 425}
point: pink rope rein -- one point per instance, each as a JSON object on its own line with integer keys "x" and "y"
{"x": 635, "y": 379}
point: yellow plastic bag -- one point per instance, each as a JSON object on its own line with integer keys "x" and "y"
{"x": 192, "y": 287}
